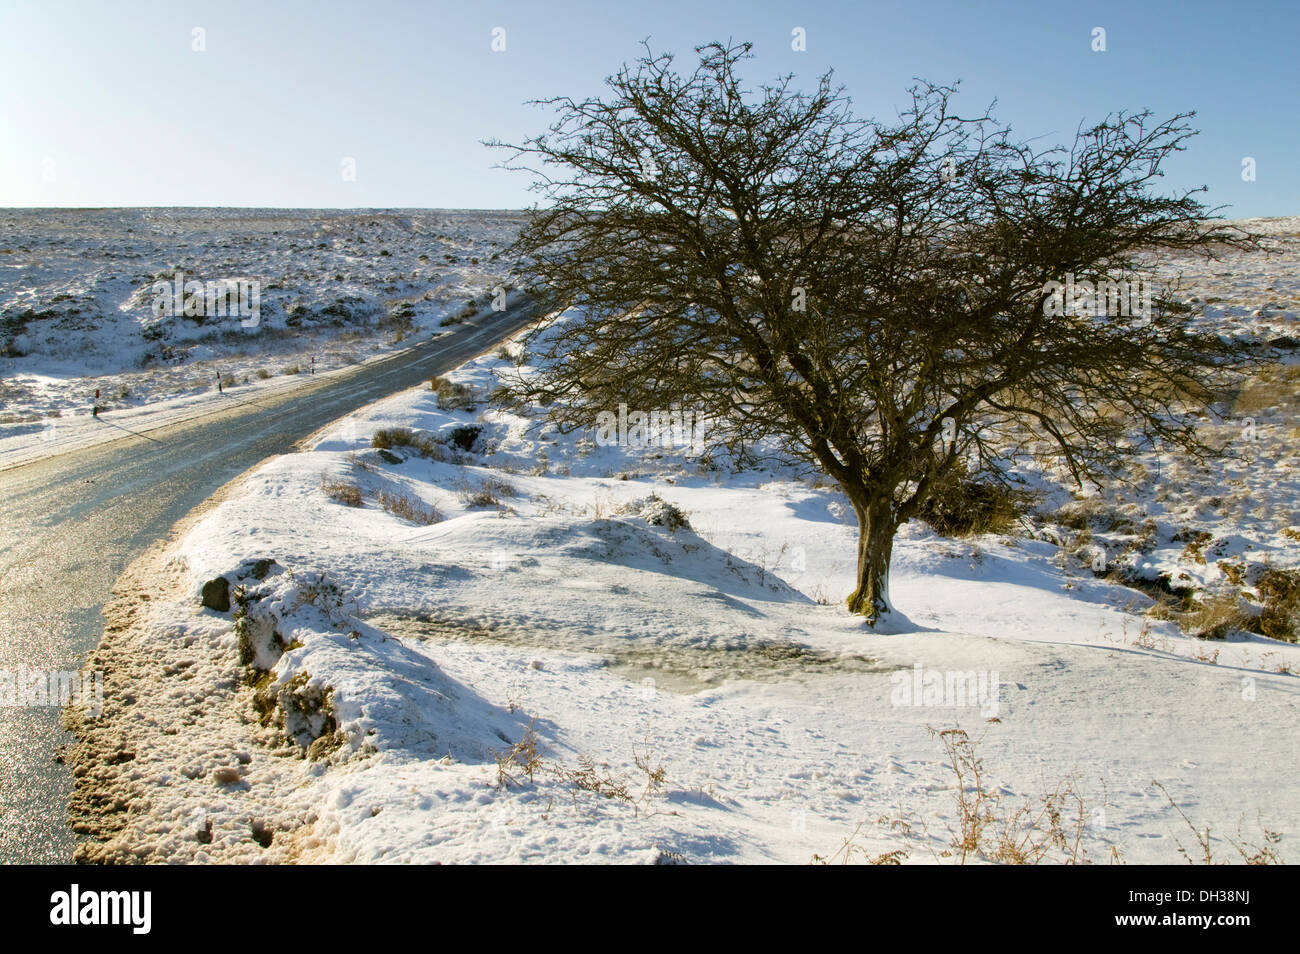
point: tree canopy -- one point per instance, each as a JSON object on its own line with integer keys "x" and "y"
{"x": 896, "y": 302}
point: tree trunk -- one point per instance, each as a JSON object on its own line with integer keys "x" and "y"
{"x": 875, "y": 547}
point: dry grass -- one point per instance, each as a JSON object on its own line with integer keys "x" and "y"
{"x": 341, "y": 491}
{"x": 974, "y": 803}
{"x": 522, "y": 758}
{"x": 1216, "y": 617}
{"x": 1251, "y": 854}
{"x": 360, "y": 463}
{"x": 961, "y": 506}
{"x": 1273, "y": 386}
{"x": 988, "y": 825}
{"x": 1043, "y": 829}
{"x": 1145, "y": 639}
{"x": 452, "y": 396}
{"x": 594, "y": 777}
{"x": 1280, "y": 593}
{"x": 409, "y": 508}
{"x": 488, "y": 493}
{"x": 851, "y": 850}
{"x": 649, "y": 762}
{"x": 1050, "y": 827}
{"x": 388, "y": 438}
{"x": 598, "y": 778}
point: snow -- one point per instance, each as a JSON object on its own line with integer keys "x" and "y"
{"x": 77, "y": 289}
{"x": 571, "y": 608}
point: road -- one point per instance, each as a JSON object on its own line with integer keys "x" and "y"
{"x": 70, "y": 524}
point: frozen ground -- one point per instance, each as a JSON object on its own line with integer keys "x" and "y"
{"x": 555, "y": 606}
{"x": 77, "y": 290}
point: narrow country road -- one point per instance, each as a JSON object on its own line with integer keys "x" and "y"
{"x": 70, "y": 524}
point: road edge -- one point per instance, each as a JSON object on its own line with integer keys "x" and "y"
{"x": 109, "y": 810}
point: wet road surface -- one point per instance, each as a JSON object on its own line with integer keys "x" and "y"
{"x": 70, "y": 524}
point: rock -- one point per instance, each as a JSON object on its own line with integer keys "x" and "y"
{"x": 257, "y": 569}
{"x": 216, "y": 594}
{"x": 390, "y": 457}
{"x": 226, "y": 775}
{"x": 465, "y": 436}
{"x": 262, "y": 833}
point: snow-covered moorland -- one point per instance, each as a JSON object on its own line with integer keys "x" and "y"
{"x": 78, "y": 290}
{"x": 455, "y": 635}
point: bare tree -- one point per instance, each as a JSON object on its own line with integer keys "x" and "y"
{"x": 893, "y": 301}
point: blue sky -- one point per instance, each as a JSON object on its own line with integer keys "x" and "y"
{"x": 106, "y": 104}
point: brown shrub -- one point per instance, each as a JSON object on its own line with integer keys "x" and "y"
{"x": 452, "y": 396}
{"x": 341, "y": 491}
{"x": 408, "y": 508}
{"x": 962, "y": 506}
